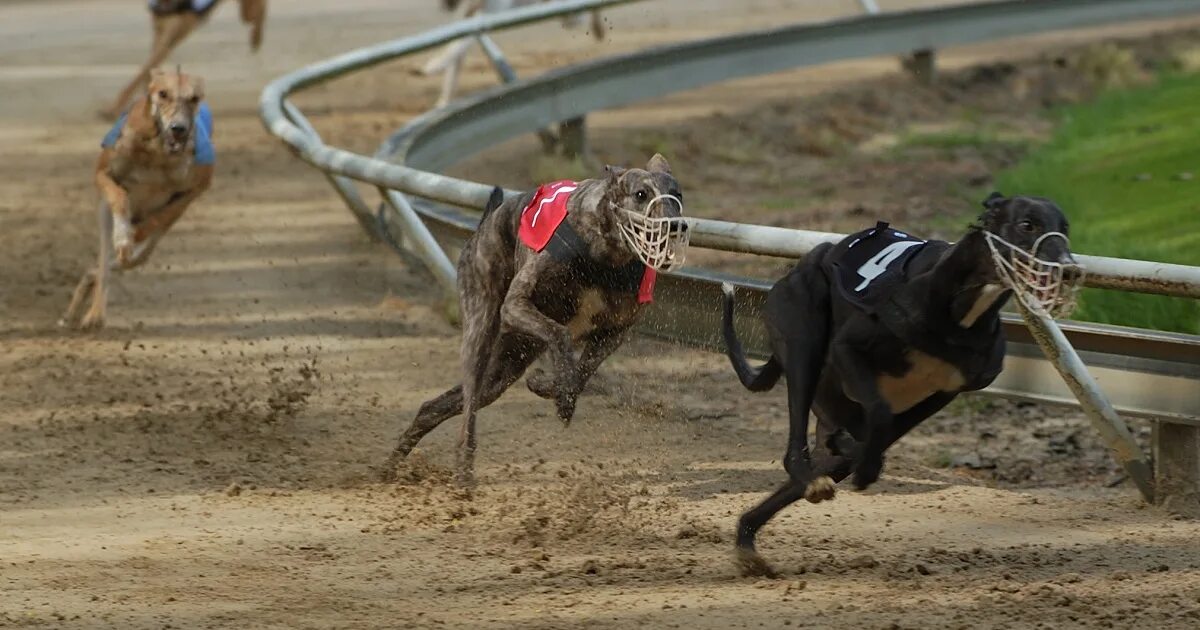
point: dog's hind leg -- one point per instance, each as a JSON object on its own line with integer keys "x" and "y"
{"x": 508, "y": 361}
{"x": 95, "y": 315}
{"x": 450, "y": 76}
{"x": 83, "y": 291}
{"x": 748, "y": 525}
{"x": 169, "y": 30}
{"x": 826, "y": 465}
{"x": 254, "y": 13}
{"x": 798, "y": 322}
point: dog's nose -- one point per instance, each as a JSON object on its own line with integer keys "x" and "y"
{"x": 179, "y": 130}
{"x": 1072, "y": 271}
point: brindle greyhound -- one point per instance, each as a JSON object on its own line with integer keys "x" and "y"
{"x": 584, "y": 284}
{"x": 882, "y": 330}
{"x": 154, "y": 163}
{"x": 173, "y": 21}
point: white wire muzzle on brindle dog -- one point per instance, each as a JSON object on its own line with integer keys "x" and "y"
{"x": 569, "y": 265}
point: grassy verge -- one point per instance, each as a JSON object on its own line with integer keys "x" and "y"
{"x": 1126, "y": 169}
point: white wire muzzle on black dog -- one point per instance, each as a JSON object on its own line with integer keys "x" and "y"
{"x": 660, "y": 242}
{"x": 1043, "y": 286}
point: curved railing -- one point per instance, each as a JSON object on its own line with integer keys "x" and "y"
{"x": 1146, "y": 373}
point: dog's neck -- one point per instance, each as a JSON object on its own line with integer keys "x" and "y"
{"x": 965, "y": 284}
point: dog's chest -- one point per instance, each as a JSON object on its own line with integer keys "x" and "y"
{"x": 926, "y": 376}
{"x": 590, "y": 304}
{"x": 596, "y": 308}
{"x": 151, "y": 187}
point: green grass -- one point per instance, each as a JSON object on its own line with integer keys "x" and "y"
{"x": 949, "y": 140}
{"x": 1120, "y": 168}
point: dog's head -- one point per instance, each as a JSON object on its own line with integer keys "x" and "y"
{"x": 1028, "y": 241}
{"x": 173, "y": 98}
{"x": 647, "y": 206}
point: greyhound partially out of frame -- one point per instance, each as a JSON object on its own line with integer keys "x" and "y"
{"x": 880, "y": 331}
{"x": 567, "y": 267}
{"x": 172, "y": 22}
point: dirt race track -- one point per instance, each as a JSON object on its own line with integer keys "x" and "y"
{"x": 208, "y": 461}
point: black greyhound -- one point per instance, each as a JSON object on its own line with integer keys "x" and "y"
{"x": 882, "y": 330}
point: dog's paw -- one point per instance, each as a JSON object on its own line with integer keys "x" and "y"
{"x": 388, "y": 472}
{"x": 798, "y": 466}
{"x": 566, "y": 408}
{"x": 820, "y": 489}
{"x": 541, "y": 384}
{"x": 124, "y": 252}
{"x": 753, "y": 565}
{"x": 727, "y": 288}
{"x": 93, "y": 320}
{"x": 867, "y": 473}
{"x": 464, "y": 479}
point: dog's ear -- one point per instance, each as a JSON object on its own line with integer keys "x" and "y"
{"x": 658, "y": 164}
{"x": 993, "y": 209}
{"x": 494, "y": 201}
{"x": 197, "y": 87}
{"x": 613, "y": 173}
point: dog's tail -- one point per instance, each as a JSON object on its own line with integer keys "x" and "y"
{"x": 758, "y": 379}
{"x": 493, "y": 202}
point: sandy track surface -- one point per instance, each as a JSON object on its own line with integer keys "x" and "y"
{"x": 208, "y": 460}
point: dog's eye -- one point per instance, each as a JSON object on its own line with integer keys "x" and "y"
{"x": 195, "y": 100}
{"x": 640, "y": 195}
{"x": 1025, "y": 226}
{"x": 162, "y": 94}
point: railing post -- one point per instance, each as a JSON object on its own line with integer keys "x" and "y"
{"x": 572, "y": 135}
{"x": 423, "y": 242}
{"x": 1177, "y": 467}
{"x": 507, "y": 75}
{"x": 921, "y": 64}
{"x": 1092, "y": 400}
{"x": 343, "y": 186}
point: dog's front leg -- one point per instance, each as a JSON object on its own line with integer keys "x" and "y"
{"x": 116, "y": 201}
{"x": 859, "y": 383}
{"x": 519, "y": 314}
{"x": 598, "y": 347}
{"x": 155, "y": 226}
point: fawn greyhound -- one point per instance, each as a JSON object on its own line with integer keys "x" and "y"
{"x": 567, "y": 265}
{"x": 153, "y": 164}
{"x": 173, "y": 21}
{"x": 880, "y": 331}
